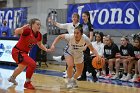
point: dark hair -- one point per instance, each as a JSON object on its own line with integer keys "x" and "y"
{"x": 88, "y": 14}
{"x": 32, "y": 21}
{"x": 101, "y": 35}
{"x": 137, "y": 38}
{"x": 79, "y": 28}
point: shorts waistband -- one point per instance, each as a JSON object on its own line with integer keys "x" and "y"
{"x": 20, "y": 49}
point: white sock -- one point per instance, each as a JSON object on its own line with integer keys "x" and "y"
{"x": 73, "y": 78}
{"x": 104, "y": 72}
{"x": 13, "y": 77}
{"x": 110, "y": 72}
{"x": 117, "y": 74}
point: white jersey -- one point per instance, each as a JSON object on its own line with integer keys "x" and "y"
{"x": 76, "y": 49}
{"x": 68, "y": 26}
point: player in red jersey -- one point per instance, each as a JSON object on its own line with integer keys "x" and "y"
{"x": 29, "y": 36}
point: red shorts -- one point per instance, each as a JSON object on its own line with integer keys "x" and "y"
{"x": 21, "y": 57}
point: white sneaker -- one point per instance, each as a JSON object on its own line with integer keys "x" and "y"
{"x": 88, "y": 74}
{"x": 64, "y": 72}
{"x": 102, "y": 76}
{"x": 116, "y": 76}
{"x": 69, "y": 84}
{"x": 123, "y": 77}
{"x": 65, "y": 75}
{"x": 98, "y": 74}
{"x": 128, "y": 77}
{"x": 134, "y": 79}
{"x": 74, "y": 84}
{"x": 57, "y": 58}
{"x": 12, "y": 81}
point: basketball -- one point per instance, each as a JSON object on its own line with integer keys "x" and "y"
{"x": 98, "y": 62}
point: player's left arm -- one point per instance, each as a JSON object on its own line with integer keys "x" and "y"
{"x": 93, "y": 50}
{"x": 41, "y": 46}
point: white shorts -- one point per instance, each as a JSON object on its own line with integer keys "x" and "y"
{"x": 78, "y": 57}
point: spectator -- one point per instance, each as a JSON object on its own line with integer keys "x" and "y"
{"x": 4, "y": 34}
{"x": 126, "y": 56}
{"x": 99, "y": 46}
{"x": 136, "y": 44}
{"x": 4, "y": 28}
{"x": 110, "y": 51}
{"x": 88, "y": 31}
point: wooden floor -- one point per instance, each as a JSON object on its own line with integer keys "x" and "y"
{"x": 54, "y": 84}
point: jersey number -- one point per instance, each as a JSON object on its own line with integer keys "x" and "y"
{"x": 31, "y": 45}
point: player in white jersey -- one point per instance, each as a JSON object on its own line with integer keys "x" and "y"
{"x": 74, "y": 53}
{"x": 70, "y": 28}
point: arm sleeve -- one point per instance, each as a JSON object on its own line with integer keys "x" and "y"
{"x": 121, "y": 51}
{"x": 87, "y": 40}
{"x": 105, "y": 55}
{"x": 101, "y": 52}
{"x": 67, "y": 37}
{"x": 131, "y": 51}
{"x": 26, "y": 31}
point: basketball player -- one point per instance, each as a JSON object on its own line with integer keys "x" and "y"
{"x": 74, "y": 53}
{"x": 29, "y": 36}
{"x": 70, "y": 28}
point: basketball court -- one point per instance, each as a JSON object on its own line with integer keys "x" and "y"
{"x": 50, "y": 81}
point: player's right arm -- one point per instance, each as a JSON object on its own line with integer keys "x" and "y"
{"x": 57, "y": 39}
{"x": 19, "y": 31}
{"x": 62, "y": 26}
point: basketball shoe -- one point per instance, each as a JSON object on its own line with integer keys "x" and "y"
{"x": 28, "y": 85}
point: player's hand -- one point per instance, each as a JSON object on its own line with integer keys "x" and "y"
{"x": 85, "y": 47}
{"x": 49, "y": 50}
{"x": 50, "y": 20}
{"x": 52, "y": 48}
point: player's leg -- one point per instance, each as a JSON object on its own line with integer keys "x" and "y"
{"x": 70, "y": 63}
{"x": 31, "y": 66}
{"x": 79, "y": 69}
{"x": 18, "y": 57}
{"x": 117, "y": 67}
{"x": 16, "y": 72}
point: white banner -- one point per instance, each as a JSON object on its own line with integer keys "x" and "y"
{"x": 6, "y": 49}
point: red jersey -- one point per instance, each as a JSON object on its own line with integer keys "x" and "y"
{"x": 28, "y": 39}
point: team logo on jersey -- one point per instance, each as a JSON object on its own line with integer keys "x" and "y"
{"x": 1, "y": 49}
